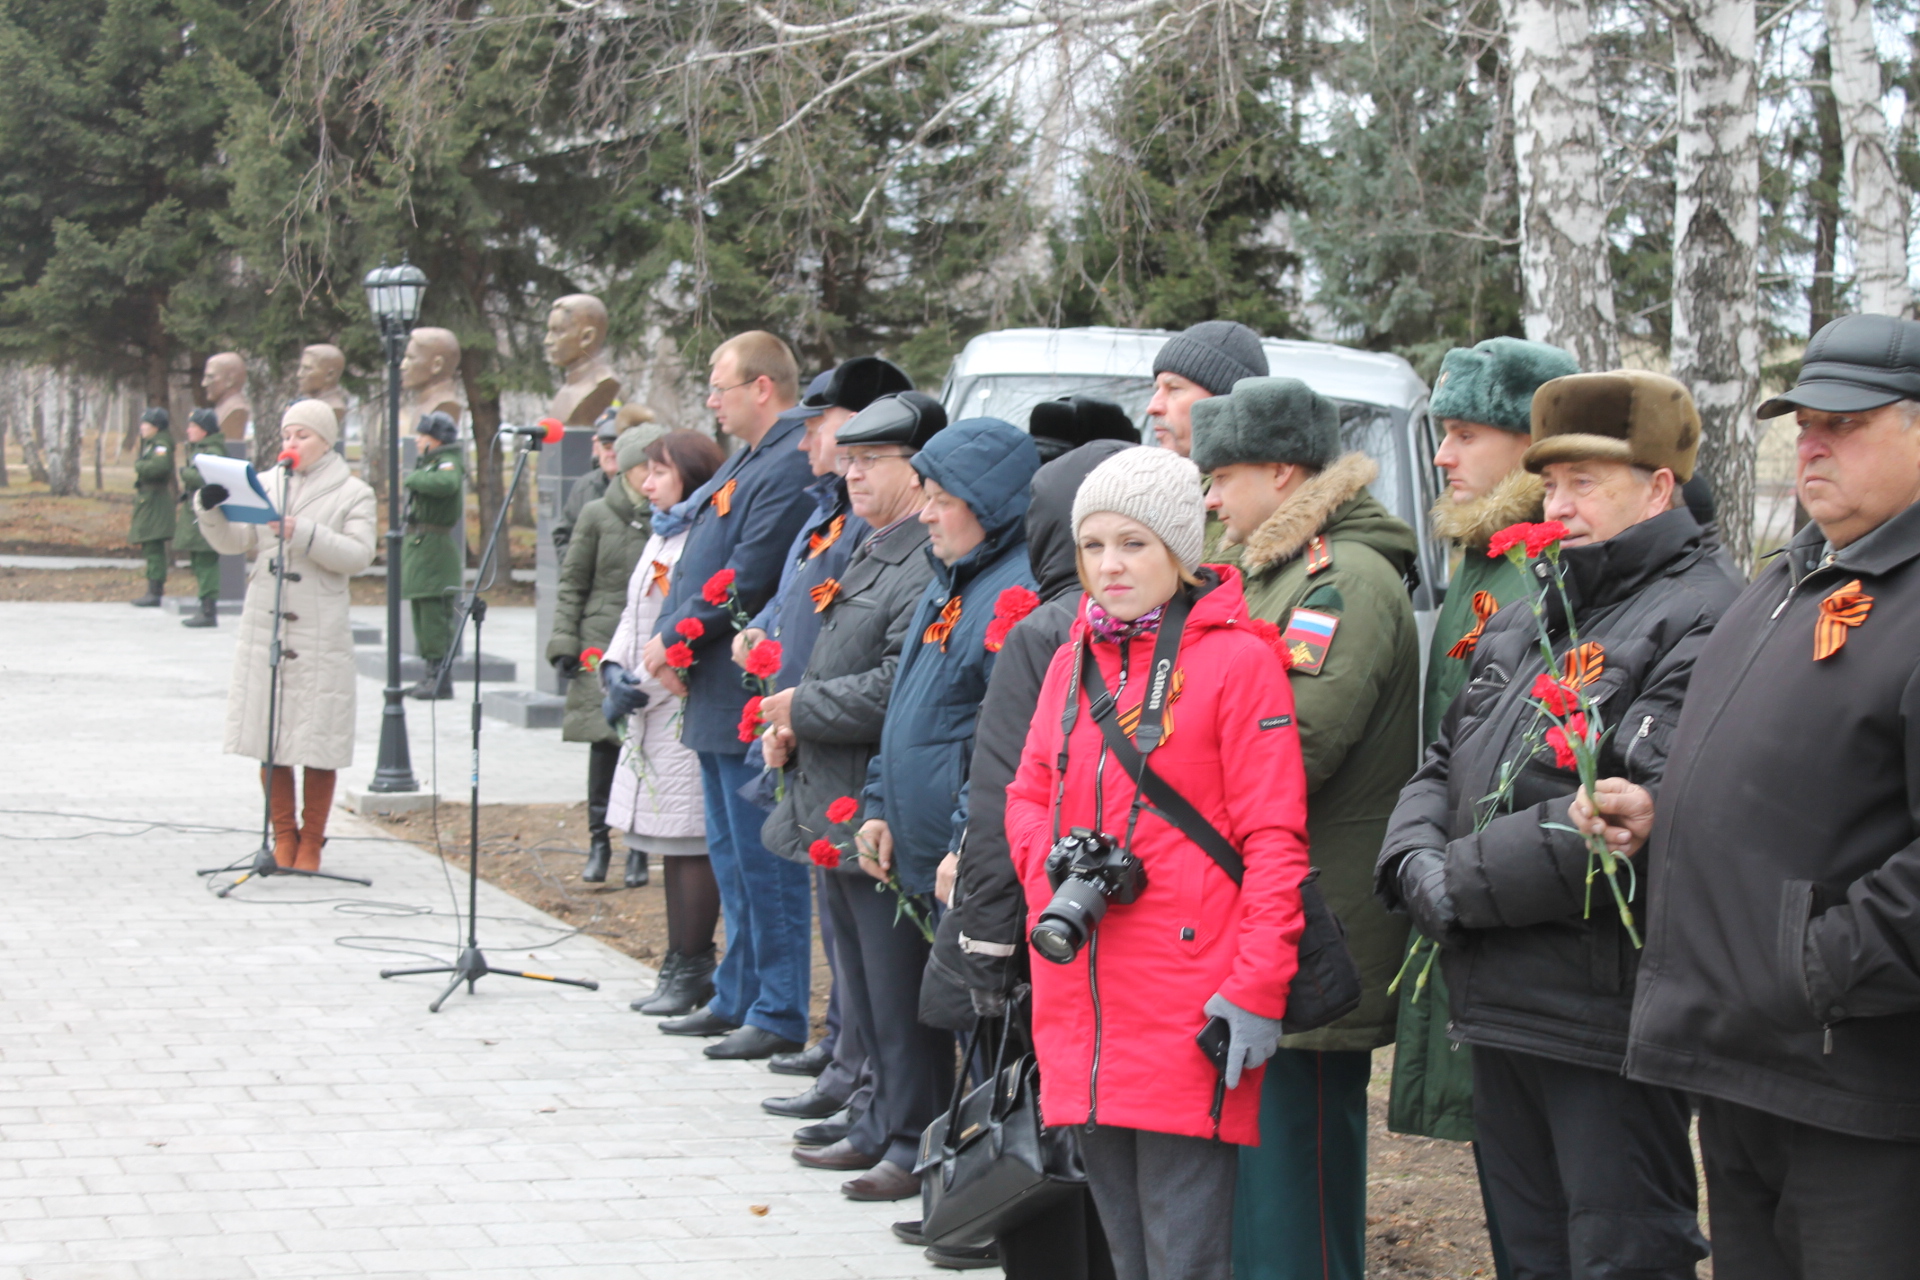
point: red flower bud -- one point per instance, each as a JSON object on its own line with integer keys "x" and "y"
{"x": 679, "y": 657}
{"x": 825, "y": 853}
{"x": 750, "y": 720}
{"x": 842, "y": 810}
{"x": 718, "y": 588}
{"x": 763, "y": 660}
{"x": 691, "y": 628}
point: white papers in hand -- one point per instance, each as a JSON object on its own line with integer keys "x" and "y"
{"x": 246, "y": 502}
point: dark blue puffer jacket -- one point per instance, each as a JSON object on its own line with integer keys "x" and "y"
{"x": 916, "y": 779}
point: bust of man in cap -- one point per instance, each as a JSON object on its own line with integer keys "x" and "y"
{"x": 576, "y": 339}
{"x": 430, "y": 376}
{"x": 224, "y": 383}
{"x": 319, "y": 377}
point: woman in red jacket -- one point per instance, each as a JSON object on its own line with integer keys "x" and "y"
{"x": 1115, "y": 1026}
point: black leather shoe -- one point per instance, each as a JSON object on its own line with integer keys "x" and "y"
{"x": 964, "y": 1259}
{"x": 599, "y": 854}
{"x": 910, "y": 1233}
{"x": 636, "y": 868}
{"x": 701, "y": 1022}
{"x": 841, "y": 1157}
{"x": 810, "y": 1061}
{"x": 668, "y": 967}
{"x": 690, "y": 987}
{"x": 811, "y": 1105}
{"x": 824, "y": 1134}
{"x": 749, "y": 1044}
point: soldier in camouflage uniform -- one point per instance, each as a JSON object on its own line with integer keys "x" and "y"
{"x": 203, "y": 436}
{"x": 430, "y": 560}
{"x": 152, "y": 525}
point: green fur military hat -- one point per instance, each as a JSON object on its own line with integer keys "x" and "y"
{"x": 1493, "y": 382}
{"x": 1266, "y": 420}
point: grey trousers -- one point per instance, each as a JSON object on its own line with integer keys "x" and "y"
{"x": 1165, "y": 1200}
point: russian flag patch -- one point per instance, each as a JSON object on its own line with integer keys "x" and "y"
{"x": 1308, "y": 636}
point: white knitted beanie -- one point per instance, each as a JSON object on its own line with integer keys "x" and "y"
{"x": 316, "y": 416}
{"x": 1157, "y": 487}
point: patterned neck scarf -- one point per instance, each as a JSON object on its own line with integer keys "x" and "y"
{"x": 1112, "y": 630}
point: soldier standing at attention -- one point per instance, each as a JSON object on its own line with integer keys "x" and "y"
{"x": 203, "y": 436}
{"x": 152, "y": 525}
{"x": 430, "y": 560}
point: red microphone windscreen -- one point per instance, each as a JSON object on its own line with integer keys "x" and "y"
{"x": 555, "y": 430}
{"x": 287, "y": 455}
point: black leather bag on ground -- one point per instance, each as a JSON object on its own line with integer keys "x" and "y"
{"x": 988, "y": 1165}
{"x": 1326, "y": 987}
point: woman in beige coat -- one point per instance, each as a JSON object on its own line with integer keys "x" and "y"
{"x": 326, "y": 535}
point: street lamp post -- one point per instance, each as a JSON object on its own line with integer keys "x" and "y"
{"x": 393, "y": 295}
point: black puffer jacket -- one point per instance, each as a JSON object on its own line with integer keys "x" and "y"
{"x": 1783, "y": 952}
{"x": 1537, "y": 970}
{"x": 990, "y": 904}
{"x": 841, "y": 701}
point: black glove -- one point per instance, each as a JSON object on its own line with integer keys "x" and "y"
{"x": 988, "y": 1004}
{"x": 624, "y": 694}
{"x": 567, "y": 664}
{"x": 212, "y": 495}
{"x": 1423, "y": 891}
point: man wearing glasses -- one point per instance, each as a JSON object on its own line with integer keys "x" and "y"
{"x": 744, "y": 520}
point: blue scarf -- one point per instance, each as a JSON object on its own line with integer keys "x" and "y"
{"x": 667, "y": 523}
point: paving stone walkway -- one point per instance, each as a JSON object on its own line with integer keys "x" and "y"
{"x": 199, "y": 1089}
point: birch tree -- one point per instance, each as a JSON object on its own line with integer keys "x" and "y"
{"x": 1876, "y": 202}
{"x": 1716, "y": 233}
{"x": 1558, "y": 164}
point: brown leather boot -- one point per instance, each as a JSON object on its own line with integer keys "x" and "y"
{"x": 317, "y": 803}
{"x": 286, "y": 836}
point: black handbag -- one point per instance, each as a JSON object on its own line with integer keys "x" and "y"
{"x": 1326, "y": 987}
{"x": 989, "y": 1165}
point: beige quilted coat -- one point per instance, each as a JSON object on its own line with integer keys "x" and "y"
{"x": 656, "y": 789}
{"x": 333, "y": 515}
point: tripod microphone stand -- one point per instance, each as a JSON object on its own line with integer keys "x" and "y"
{"x": 472, "y": 964}
{"x": 263, "y": 863}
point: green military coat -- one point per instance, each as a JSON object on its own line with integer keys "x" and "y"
{"x": 186, "y": 529}
{"x": 1432, "y": 1093}
{"x": 153, "y": 487}
{"x": 1335, "y": 550}
{"x": 430, "y": 560}
{"x": 607, "y": 541}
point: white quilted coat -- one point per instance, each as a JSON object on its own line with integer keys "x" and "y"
{"x": 333, "y": 516}
{"x": 656, "y": 789}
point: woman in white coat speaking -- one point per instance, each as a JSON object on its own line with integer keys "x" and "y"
{"x": 325, "y": 536}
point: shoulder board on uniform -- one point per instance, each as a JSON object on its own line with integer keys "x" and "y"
{"x": 1319, "y": 555}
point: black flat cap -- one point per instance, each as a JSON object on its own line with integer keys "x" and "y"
{"x": 854, "y": 384}
{"x": 906, "y": 417}
{"x": 1855, "y": 363}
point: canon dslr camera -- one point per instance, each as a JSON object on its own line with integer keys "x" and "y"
{"x": 1087, "y": 871}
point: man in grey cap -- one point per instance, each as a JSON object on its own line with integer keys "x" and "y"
{"x": 1781, "y": 978}
{"x": 591, "y": 486}
{"x": 1204, "y": 361}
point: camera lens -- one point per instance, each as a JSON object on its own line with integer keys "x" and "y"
{"x": 1064, "y": 926}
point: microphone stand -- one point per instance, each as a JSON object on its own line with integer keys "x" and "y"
{"x": 472, "y": 964}
{"x": 263, "y": 862}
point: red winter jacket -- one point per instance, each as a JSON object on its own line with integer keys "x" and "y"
{"x": 1115, "y": 1029}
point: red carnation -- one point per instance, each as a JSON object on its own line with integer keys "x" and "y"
{"x": 1561, "y": 740}
{"x": 691, "y": 628}
{"x": 763, "y": 660}
{"x": 1540, "y": 536}
{"x": 750, "y": 719}
{"x": 1012, "y": 605}
{"x": 825, "y": 853}
{"x": 1514, "y": 535}
{"x": 718, "y": 587}
{"x": 679, "y": 656}
{"x": 842, "y": 810}
{"x": 591, "y": 658}
{"x": 1557, "y": 698}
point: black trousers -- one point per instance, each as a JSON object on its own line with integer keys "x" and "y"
{"x": 1591, "y": 1174}
{"x": 1788, "y": 1201}
{"x": 910, "y": 1066}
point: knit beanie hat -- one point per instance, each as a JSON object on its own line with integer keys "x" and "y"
{"x": 1493, "y": 382}
{"x": 630, "y": 450}
{"x": 316, "y": 416}
{"x": 1215, "y": 354}
{"x": 1157, "y": 487}
{"x": 1266, "y": 420}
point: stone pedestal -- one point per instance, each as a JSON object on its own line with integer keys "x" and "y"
{"x": 560, "y": 466}
{"x": 527, "y": 708}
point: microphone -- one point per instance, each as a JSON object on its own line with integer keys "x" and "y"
{"x": 287, "y": 458}
{"x": 547, "y": 430}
